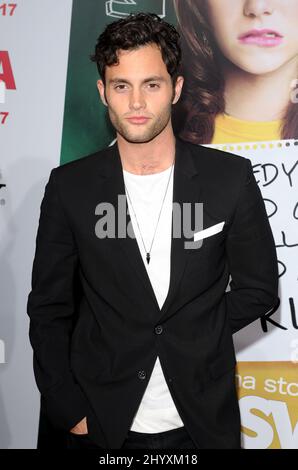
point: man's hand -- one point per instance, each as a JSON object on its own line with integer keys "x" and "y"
{"x": 81, "y": 427}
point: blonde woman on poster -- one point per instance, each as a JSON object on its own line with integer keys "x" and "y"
{"x": 240, "y": 64}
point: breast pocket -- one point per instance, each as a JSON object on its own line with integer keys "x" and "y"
{"x": 208, "y": 232}
{"x": 207, "y": 240}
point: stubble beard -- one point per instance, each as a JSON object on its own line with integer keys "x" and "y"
{"x": 152, "y": 129}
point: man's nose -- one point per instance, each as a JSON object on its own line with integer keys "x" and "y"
{"x": 137, "y": 99}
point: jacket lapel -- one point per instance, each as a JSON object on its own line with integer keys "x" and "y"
{"x": 186, "y": 189}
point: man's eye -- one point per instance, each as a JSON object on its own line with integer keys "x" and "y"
{"x": 123, "y": 87}
{"x": 120, "y": 87}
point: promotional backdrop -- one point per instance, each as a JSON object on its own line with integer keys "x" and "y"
{"x": 267, "y": 350}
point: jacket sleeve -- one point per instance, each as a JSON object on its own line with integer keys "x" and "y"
{"x": 51, "y": 307}
{"x": 252, "y": 258}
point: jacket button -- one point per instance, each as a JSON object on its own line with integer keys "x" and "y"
{"x": 158, "y": 329}
{"x": 142, "y": 374}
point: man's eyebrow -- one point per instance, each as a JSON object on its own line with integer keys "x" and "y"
{"x": 154, "y": 78}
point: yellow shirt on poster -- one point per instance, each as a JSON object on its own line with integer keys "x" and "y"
{"x": 232, "y": 130}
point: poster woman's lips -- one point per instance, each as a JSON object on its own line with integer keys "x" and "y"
{"x": 261, "y": 37}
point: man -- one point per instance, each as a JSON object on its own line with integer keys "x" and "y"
{"x": 132, "y": 335}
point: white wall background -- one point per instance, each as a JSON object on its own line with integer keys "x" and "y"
{"x": 37, "y": 38}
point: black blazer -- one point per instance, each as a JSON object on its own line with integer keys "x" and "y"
{"x": 95, "y": 324}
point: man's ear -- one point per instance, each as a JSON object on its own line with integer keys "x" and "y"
{"x": 101, "y": 89}
{"x": 178, "y": 89}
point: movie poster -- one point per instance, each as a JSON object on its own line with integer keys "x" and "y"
{"x": 240, "y": 63}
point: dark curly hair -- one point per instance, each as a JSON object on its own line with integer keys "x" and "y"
{"x": 134, "y": 31}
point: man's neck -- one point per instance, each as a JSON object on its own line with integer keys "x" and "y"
{"x": 147, "y": 158}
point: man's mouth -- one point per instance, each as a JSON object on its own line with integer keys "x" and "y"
{"x": 138, "y": 119}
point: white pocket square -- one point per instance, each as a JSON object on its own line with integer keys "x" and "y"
{"x": 207, "y": 232}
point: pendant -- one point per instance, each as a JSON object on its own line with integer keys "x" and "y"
{"x": 148, "y": 257}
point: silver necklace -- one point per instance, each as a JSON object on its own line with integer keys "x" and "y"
{"x": 148, "y": 253}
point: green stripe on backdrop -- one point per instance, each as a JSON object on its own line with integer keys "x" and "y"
{"x": 86, "y": 127}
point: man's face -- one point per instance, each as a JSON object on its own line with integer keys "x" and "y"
{"x": 139, "y": 94}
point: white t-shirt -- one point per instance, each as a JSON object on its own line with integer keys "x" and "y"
{"x": 157, "y": 411}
